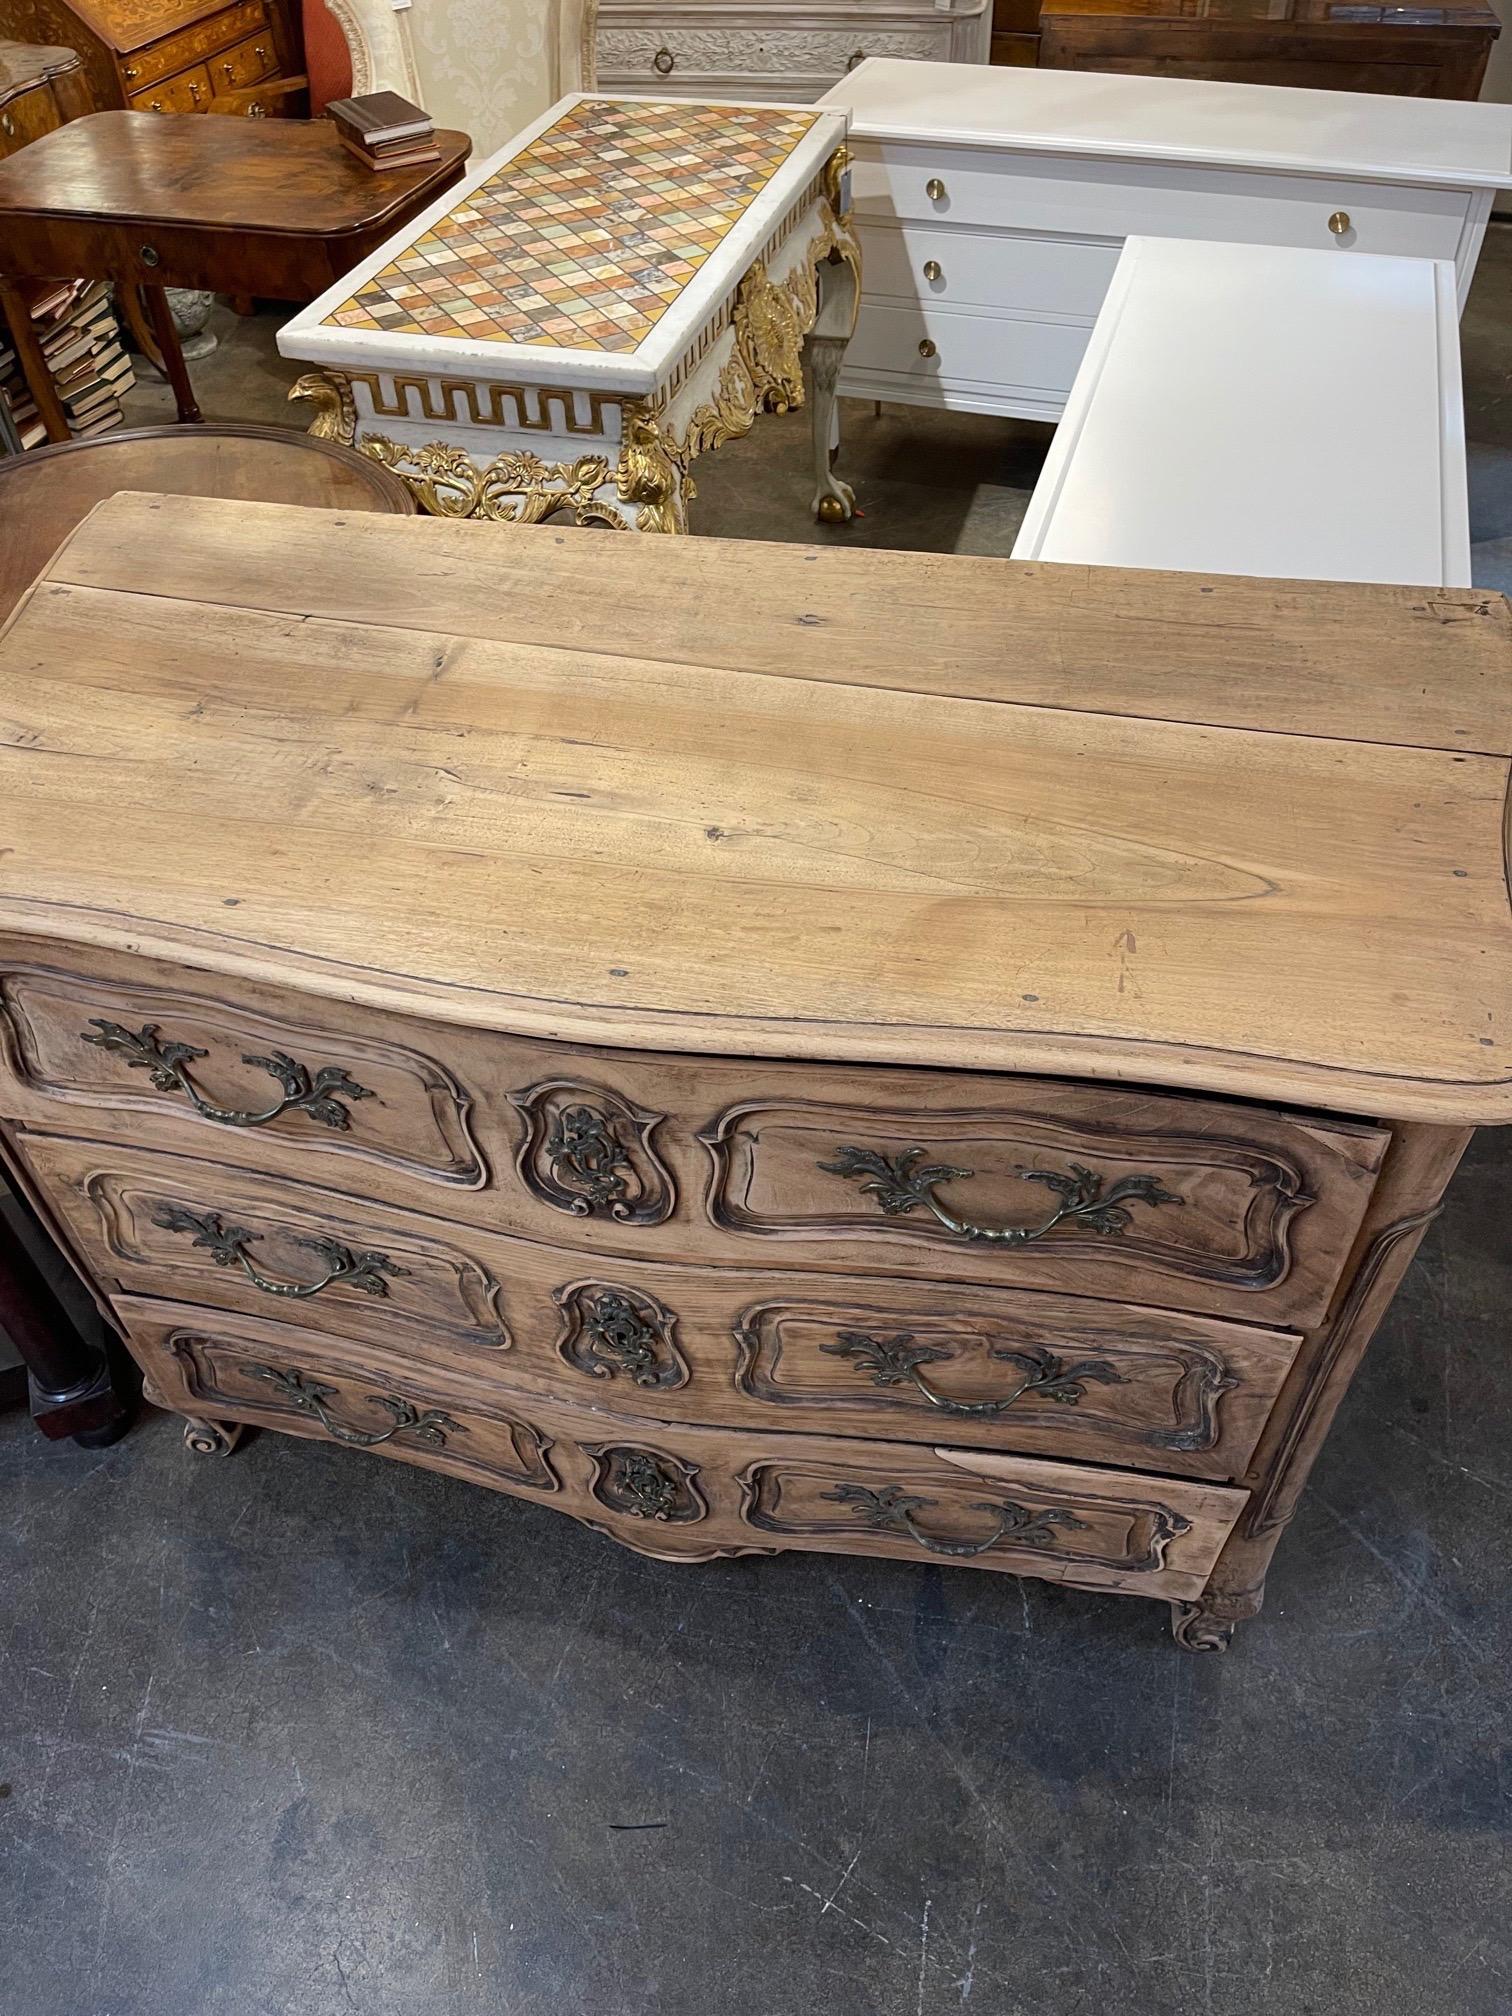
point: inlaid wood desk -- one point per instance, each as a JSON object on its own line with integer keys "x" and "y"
{"x": 625, "y": 286}
{"x": 754, "y": 1047}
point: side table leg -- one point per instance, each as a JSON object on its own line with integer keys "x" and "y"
{"x": 160, "y": 319}
{"x": 39, "y": 379}
{"x": 72, "y": 1388}
{"x": 838, "y": 287}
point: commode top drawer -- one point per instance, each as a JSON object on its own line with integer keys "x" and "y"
{"x": 944, "y": 185}
{"x": 649, "y": 55}
{"x": 1149, "y": 1197}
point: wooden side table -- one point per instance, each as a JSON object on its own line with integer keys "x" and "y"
{"x": 40, "y": 90}
{"x": 45, "y": 494}
{"x": 241, "y": 206}
{"x": 1333, "y": 45}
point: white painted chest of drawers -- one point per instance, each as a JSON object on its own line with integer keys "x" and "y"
{"x": 792, "y": 50}
{"x": 992, "y": 204}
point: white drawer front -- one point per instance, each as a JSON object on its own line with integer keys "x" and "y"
{"x": 652, "y": 55}
{"x": 983, "y": 269}
{"x": 989, "y": 353}
{"x": 1116, "y": 200}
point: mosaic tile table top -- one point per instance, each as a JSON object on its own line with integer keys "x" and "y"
{"x": 625, "y": 285}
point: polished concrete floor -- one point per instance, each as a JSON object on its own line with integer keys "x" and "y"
{"x": 299, "y": 1734}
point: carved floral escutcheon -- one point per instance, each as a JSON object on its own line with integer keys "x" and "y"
{"x": 588, "y": 1150}
{"x": 646, "y": 1484}
{"x": 609, "y": 1331}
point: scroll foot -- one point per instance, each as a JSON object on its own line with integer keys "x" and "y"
{"x": 1198, "y": 1629}
{"x": 212, "y": 1438}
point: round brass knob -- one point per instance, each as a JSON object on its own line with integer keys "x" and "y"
{"x": 664, "y": 62}
{"x": 933, "y": 270}
{"x": 934, "y": 189}
{"x": 927, "y": 348}
{"x": 149, "y": 253}
{"x": 1339, "y": 223}
{"x": 856, "y": 56}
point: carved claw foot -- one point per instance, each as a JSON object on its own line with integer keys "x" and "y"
{"x": 1198, "y": 1629}
{"x": 212, "y": 1438}
{"x": 834, "y": 501}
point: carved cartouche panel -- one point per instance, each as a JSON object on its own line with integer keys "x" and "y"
{"x": 995, "y": 1193}
{"x": 220, "y": 1070}
{"x": 209, "y": 1235}
{"x": 645, "y": 1484}
{"x": 1101, "y": 1380}
{"x": 367, "y": 1410}
{"x": 589, "y": 1151}
{"x": 965, "y": 1519}
{"x": 611, "y": 1332}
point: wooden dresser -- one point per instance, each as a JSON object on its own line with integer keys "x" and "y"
{"x": 754, "y": 1047}
{"x": 40, "y": 89}
{"x": 162, "y": 55}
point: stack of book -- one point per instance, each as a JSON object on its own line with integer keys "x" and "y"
{"x": 76, "y": 327}
{"x": 384, "y": 130}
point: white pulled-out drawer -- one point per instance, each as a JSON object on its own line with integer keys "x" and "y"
{"x": 1113, "y": 199}
{"x": 1250, "y": 409}
{"x": 985, "y": 269}
{"x": 996, "y": 361}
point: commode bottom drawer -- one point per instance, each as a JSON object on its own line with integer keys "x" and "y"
{"x": 691, "y": 1493}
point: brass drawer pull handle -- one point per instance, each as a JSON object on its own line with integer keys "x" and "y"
{"x": 310, "y": 1397}
{"x": 228, "y": 70}
{"x": 856, "y": 56}
{"x": 891, "y": 1510}
{"x": 7, "y": 125}
{"x": 895, "y": 1361}
{"x": 164, "y": 1063}
{"x": 934, "y": 189}
{"x": 664, "y": 62}
{"x": 131, "y": 72}
{"x": 927, "y": 348}
{"x": 933, "y": 270}
{"x": 899, "y": 1187}
{"x": 194, "y": 93}
{"x": 150, "y": 255}
{"x": 227, "y": 1246}
{"x": 1339, "y": 223}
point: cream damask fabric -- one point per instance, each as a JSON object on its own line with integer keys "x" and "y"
{"x": 491, "y": 66}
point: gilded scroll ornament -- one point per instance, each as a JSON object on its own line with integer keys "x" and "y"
{"x": 649, "y": 476}
{"x": 515, "y": 488}
{"x": 330, "y": 393}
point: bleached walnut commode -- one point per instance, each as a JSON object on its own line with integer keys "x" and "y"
{"x": 754, "y": 1047}
{"x": 625, "y": 286}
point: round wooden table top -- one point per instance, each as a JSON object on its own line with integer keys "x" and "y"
{"x": 47, "y": 491}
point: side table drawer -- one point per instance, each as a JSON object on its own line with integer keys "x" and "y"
{"x": 834, "y": 1354}
{"x": 691, "y": 1493}
{"x": 944, "y": 185}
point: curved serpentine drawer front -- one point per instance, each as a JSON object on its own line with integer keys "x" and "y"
{"x": 691, "y": 1493}
{"x": 1139, "y": 1196}
{"x": 821, "y": 1353}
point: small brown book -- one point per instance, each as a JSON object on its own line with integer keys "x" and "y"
{"x": 380, "y": 118}
{"x": 391, "y": 157}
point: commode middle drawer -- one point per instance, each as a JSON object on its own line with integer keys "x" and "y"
{"x": 906, "y": 1360}
{"x": 947, "y": 267}
{"x": 1150, "y": 1197}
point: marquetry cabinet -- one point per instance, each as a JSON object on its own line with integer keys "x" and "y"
{"x": 162, "y": 55}
{"x": 809, "y": 1082}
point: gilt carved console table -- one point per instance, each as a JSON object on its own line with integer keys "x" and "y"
{"x": 754, "y": 1047}
{"x": 625, "y": 286}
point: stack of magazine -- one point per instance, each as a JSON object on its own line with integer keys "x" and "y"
{"x": 81, "y": 341}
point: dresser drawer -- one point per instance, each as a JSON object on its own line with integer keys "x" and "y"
{"x": 175, "y": 1066}
{"x": 994, "y": 1368}
{"x": 248, "y": 63}
{"x": 959, "y": 1175}
{"x": 928, "y": 345}
{"x": 191, "y": 45}
{"x": 26, "y": 118}
{"x": 650, "y": 55}
{"x": 189, "y": 91}
{"x": 942, "y": 185}
{"x": 945, "y": 267}
{"x": 684, "y": 1492}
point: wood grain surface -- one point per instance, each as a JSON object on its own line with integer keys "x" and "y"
{"x": 363, "y": 768}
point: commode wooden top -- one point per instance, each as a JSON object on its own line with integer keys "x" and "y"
{"x": 761, "y": 800}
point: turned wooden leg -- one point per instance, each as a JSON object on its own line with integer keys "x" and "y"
{"x": 160, "y": 320}
{"x": 1406, "y": 1200}
{"x": 70, "y": 1380}
{"x": 34, "y": 367}
{"x": 212, "y": 1438}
